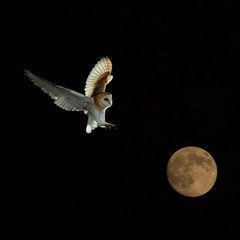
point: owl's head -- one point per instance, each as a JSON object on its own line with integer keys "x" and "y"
{"x": 103, "y": 100}
{"x": 107, "y": 100}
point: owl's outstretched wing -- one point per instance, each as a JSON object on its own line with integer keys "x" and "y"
{"x": 99, "y": 77}
{"x": 63, "y": 97}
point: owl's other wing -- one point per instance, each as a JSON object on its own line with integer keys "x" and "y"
{"x": 99, "y": 77}
{"x": 64, "y": 98}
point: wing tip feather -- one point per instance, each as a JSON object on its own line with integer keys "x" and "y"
{"x": 101, "y": 69}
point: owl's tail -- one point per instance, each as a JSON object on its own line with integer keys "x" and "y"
{"x": 91, "y": 125}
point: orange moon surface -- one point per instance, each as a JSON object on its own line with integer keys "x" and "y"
{"x": 191, "y": 171}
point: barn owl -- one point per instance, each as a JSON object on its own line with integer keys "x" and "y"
{"x": 95, "y": 101}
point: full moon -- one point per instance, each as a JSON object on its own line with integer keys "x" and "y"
{"x": 191, "y": 171}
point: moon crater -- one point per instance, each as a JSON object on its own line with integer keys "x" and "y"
{"x": 191, "y": 171}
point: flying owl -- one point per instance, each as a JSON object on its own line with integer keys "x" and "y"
{"x": 95, "y": 101}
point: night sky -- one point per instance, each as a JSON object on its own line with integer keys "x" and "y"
{"x": 176, "y": 83}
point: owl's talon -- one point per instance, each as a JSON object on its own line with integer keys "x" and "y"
{"x": 109, "y": 126}
{"x": 112, "y": 127}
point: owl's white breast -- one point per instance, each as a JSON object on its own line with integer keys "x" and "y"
{"x": 96, "y": 115}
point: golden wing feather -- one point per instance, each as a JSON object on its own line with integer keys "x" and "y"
{"x": 99, "y": 77}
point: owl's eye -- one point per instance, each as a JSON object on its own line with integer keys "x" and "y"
{"x": 105, "y": 99}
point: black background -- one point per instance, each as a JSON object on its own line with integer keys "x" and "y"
{"x": 176, "y": 83}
